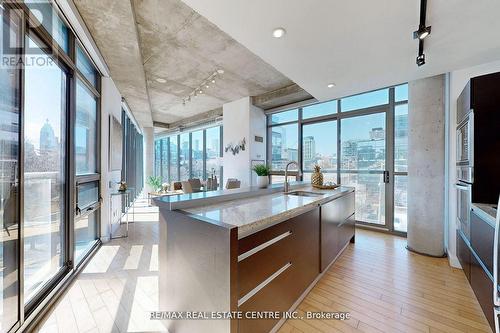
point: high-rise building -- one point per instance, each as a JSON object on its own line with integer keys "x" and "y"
{"x": 309, "y": 149}
{"x": 48, "y": 140}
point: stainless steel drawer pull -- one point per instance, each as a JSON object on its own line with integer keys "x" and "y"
{"x": 262, "y": 246}
{"x": 263, "y": 284}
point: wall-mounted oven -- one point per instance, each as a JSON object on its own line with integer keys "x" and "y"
{"x": 464, "y": 197}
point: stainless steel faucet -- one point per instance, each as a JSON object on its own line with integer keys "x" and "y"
{"x": 285, "y": 188}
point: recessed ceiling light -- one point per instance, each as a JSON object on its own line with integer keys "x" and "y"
{"x": 279, "y": 32}
{"x": 160, "y": 80}
{"x": 213, "y": 80}
{"x": 220, "y": 71}
{"x": 331, "y": 85}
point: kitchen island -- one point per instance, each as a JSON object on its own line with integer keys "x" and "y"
{"x": 247, "y": 250}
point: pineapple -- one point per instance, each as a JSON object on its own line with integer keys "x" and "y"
{"x": 317, "y": 176}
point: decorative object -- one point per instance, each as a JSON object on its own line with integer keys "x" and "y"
{"x": 317, "y": 176}
{"x": 155, "y": 183}
{"x": 205, "y": 84}
{"x": 262, "y": 172}
{"x": 326, "y": 186}
{"x": 122, "y": 187}
{"x": 235, "y": 149}
{"x": 115, "y": 144}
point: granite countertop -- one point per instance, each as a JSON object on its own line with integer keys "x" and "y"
{"x": 486, "y": 211}
{"x": 255, "y": 213}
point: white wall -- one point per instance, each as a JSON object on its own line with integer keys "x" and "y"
{"x": 110, "y": 104}
{"x": 458, "y": 80}
{"x": 241, "y": 120}
{"x": 258, "y": 127}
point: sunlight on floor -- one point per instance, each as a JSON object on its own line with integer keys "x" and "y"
{"x": 118, "y": 288}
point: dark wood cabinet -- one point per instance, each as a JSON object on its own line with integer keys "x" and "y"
{"x": 481, "y": 95}
{"x": 483, "y": 288}
{"x": 481, "y": 240}
{"x": 283, "y": 260}
{"x": 476, "y": 259}
{"x": 463, "y": 253}
{"x": 337, "y": 227}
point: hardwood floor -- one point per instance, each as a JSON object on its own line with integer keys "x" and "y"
{"x": 384, "y": 287}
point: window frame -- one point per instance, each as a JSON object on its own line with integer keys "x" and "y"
{"x": 176, "y": 140}
{"x": 388, "y": 109}
{"x": 67, "y": 62}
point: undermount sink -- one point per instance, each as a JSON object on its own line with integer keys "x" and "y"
{"x": 304, "y": 194}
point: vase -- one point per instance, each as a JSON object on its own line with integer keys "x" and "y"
{"x": 262, "y": 181}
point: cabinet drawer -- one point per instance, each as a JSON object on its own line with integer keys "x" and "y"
{"x": 346, "y": 231}
{"x": 483, "y": 289}
{"x": 255, "y": 267}
{"x": 463, "y": 254}
{"x": 275, "y": 267}
{"x": 481, "y": 234}
{"x": 278, "y": 295}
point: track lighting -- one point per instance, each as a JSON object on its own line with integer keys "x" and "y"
{"x": 422, "y": 32}
{"x": 421, "y": 59}
{"x": 205, "y": 84}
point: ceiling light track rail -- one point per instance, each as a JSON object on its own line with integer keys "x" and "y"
{"x": 205, "y": 84}
{"x": 422, "y": 32}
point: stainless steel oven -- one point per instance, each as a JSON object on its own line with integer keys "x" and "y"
{"x": 465, "y": 149}
{"x": 464, "y": 198}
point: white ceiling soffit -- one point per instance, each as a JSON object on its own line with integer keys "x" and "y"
{"x": 358, "y": 45}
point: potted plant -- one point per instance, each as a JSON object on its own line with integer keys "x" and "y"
{"x": 155, "y": 183}
{"x": 262, "y": 172}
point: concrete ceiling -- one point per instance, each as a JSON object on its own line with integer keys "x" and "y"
{"x": 359, "y": 45}
{"x": 111, "y": 24}
{"x": 146, "y": 40}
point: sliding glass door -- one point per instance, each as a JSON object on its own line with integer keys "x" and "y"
{"x": 363, "y": 164}
{"x": 44, "y": 186}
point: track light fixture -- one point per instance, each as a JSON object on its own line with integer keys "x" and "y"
{"x": 203, "y": 85}
{"x": 422, "y": 32}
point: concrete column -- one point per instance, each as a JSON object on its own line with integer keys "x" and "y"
{"x": 426, "y": 174}
{"x": 149, "y": 155}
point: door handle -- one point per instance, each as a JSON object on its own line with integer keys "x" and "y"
{"x": 386, "y": 177}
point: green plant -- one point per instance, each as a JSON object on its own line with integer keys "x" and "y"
{"x": 154, "y": 182}
{"x": 261, "y": 170}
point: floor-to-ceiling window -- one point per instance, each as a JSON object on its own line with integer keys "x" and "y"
{"x": 213, "y": 153}
{"x": 45, "y": 171}
{"x": 86, "y": 155}
{"x": 188, "y": 155}
{"x": 358, "y": 141}
{"x": 10, "y": 112}
{"x": 49, "y": 157}
{"x": 132, "y": 158}
{"x": 197, "y": 144}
